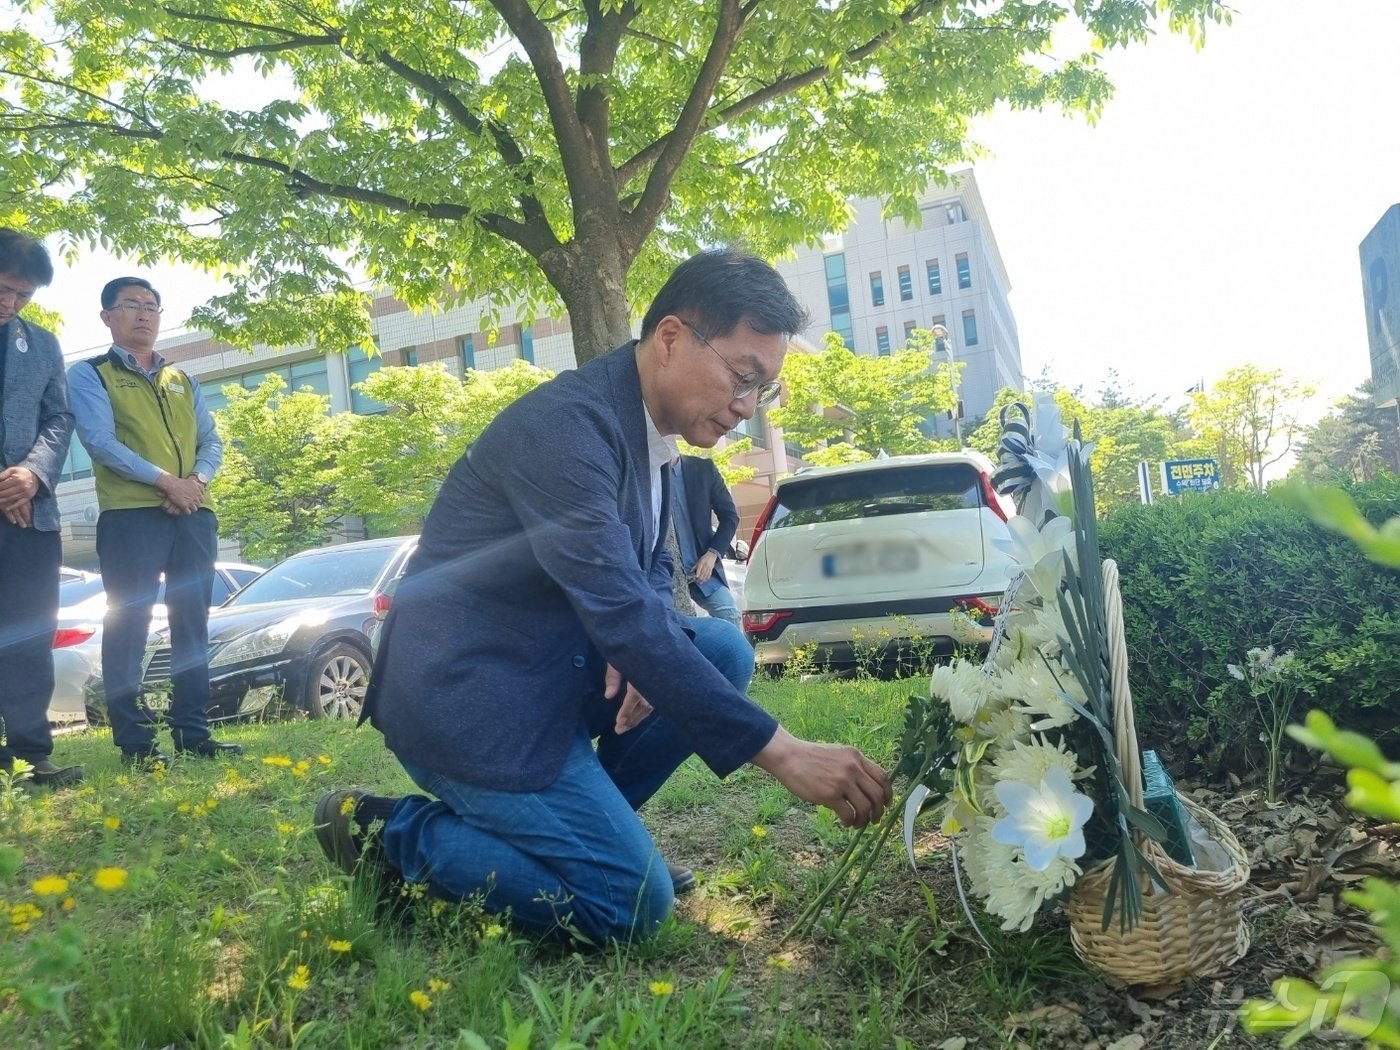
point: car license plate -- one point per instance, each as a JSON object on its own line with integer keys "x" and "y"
{"x": 884, "y": 560}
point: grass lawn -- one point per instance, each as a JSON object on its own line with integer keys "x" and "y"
{"x": 230, "y": 930}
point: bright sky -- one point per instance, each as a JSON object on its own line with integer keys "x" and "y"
{"x": 1210, "y": 219}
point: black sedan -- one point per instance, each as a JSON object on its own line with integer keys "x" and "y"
{"x": 296, "y": 639}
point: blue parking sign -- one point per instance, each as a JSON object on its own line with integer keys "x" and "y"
{"x": 1190, "y": 475}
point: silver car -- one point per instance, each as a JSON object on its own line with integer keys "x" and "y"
{"x": 77, "y": 644}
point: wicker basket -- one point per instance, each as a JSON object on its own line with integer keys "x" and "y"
{"x": 1196, "y": 926}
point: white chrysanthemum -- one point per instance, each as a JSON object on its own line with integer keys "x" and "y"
{"x": 1000, "y": 722}
{"x": 1028, "y": 761}
{"x": 1045, "y": 820}
{"x": 962, "y": 686}
{"x": 1043, "y": 627}
{"x": 1009, "y": 889}
{"x": 1032, "y": 688}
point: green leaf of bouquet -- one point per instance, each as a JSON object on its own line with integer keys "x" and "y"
{"x": 1146, "y": 822}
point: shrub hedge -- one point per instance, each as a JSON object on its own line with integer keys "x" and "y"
{"x": 1205, "y": 578}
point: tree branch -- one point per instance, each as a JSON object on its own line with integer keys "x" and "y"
{"x": 634, "y": 165}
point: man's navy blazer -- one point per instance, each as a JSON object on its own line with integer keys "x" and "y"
{"x": 537, "y": 566}
{"x": 36, "y": 424}
{"x": 706, "y": 492}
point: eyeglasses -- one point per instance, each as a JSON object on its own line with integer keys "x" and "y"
{"x": 744, "y": 385}
{"x": 145, "y": 309}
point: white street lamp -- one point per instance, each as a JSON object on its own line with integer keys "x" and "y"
{"x": 942, "y": 340}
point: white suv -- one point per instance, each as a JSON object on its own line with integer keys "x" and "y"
{"x": 871, "y": 559}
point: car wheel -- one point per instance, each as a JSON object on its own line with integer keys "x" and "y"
{"x": 335, "y": 682}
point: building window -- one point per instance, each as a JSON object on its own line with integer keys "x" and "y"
{"x": 468, "y": 353}
{"x": 964, "y": 271}
{"x": 838, "y": 298}
{"x": 312, "y": 374}
{"x": 877, "y": 289}
{"x": 956, "y": 213}
{"x": 906, "y": 285}
{"x": 77, "y": 465}
{"x": 908, "y": 330}
{"x": 360, "y": 366}
{"x": 969, "y": 328}
{"x": 939, "y": 319}
{"x": 527, "y": 345}
{"x": 410, "y": 356}
{"x": 935, "y": 279}
{"x": 882, "y": 340}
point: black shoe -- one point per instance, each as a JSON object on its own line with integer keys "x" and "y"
{"x": 210, "y": 749}
{"x": 682, "y": 879}
{"x": 145, "y": 761}
{"x": 46, "y": 774}
{"x": 348, "y": 823}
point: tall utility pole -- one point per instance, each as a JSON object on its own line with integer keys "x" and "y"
{"x": 942, "y": 340}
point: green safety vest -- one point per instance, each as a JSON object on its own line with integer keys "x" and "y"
{"x": 155, "y": 419}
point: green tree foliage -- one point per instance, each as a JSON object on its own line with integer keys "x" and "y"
{"x": 1356, "y": 441}
{"x": 526, "y": 149}
{"x": 43, "y": 317}
{"x": 724, "y": 458}
{"x": 393, "y": 463}
{"x": 1248, "y": 421}
{"x": 868, "y": 403}
{"x": 277, "y": 490}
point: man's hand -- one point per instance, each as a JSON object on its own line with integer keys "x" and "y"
{"x": 182, "y": 495}
{"x": 17, "y": 485}
{"x": 705, "y": 567}
{"x": 831, "y": 775}
{"x": 634, "y": 709}
{"x": 20, "y": 514}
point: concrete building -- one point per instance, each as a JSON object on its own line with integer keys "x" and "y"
{"x": 457, "y": 339}
{"x": 883, "y": 277}
{"x": 1380, "y": 289}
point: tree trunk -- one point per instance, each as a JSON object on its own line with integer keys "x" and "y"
{"x": 592, "y": 281}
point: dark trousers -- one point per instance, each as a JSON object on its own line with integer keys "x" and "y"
{"x": 135, "y": 547}
{"x": 29, "y": 561}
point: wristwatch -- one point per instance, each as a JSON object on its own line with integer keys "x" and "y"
{"x": 202, "y": 478}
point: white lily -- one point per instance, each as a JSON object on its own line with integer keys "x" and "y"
{"x": 1039, "y": 551}
{"x": 1046, "y": 820}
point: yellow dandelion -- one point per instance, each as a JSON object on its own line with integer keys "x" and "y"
{"x": 183, "y": 807}
{"x": 437, "y": 987}
{"x": 113, "y": 823}
{"x": 491, "y": 932}
{"x": 277, "y": 760}
{"x": 286, "y": 828}
{"x": 68, "y": 904}
{"x": 210, "y": 803}
{"x": 778, "y": 962}
{"x": 338, "y": 946}
{"x": 109, "y": 878}
{"x": 759, "y": 831}
{"x": 305, "y": 934}
{"x": 158, "y": 772}
{"x": 659, "y": 988}
{"x": 325, "y": 760}
{"x": 22, "y": 914}
{"x": 50, "y": 886}
{"x": 420, "y": 1000}
{"x": 347, "y": 805}
{"x": 300, "y": 978}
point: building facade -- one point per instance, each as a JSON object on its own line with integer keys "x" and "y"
{"x": 1380, "y": 289}
{"x": 457, "y": 339}
{"x": 882, "y": 278}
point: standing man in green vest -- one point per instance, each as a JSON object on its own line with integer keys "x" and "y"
{"x": 154, "y": 450}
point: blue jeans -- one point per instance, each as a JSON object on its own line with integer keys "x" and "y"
{"x": 720, "y": 603}
{"x": 572, "y": 858}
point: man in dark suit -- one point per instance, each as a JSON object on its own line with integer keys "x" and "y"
{"x": 705, "y": 518}
{"x": 536, "y": 617}
{"x": 35, "y": 429}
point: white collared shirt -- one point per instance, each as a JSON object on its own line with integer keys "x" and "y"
{"x": 660, "y": 451}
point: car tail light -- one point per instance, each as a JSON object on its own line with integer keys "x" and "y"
{"x": 380, "y": 605}
{"x": 66, "y": 636}
{"x": 979, "y": 607}
{"x": 763, "y": 520}
{"x": 992, "y": 497}
{"x": 758, "y": 622}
